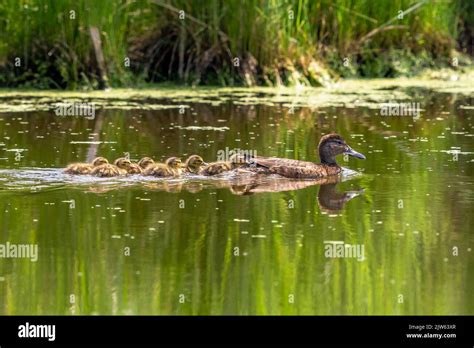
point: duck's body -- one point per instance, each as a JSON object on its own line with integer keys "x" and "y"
{"x": 134, "y": 168}
{"x": 120, "y": 167}
{"x": 194, "y": 164}
{"x": 329, "y": 146}
{"x": 160, "y": 170}
{"x": 106, "y": 171}
{"x": 171, "y": 168}
{"x": 294, "y": 168}
{"x": 145, "y": 162}
{"x": 215, "y": 168}
{"x": 79, "y": 168}
{"x": 85, "y": 168}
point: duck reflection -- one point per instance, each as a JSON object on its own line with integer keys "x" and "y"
{"x": 330, "y": 200}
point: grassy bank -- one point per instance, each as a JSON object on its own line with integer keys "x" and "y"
{"x": 47, "y": 43}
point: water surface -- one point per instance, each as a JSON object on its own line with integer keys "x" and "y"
{"x": 193, "y": 246}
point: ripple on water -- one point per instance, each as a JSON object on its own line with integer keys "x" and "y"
{"x": 42, "y": 179}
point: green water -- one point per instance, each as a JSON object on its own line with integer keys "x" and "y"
{"x": 204, "y": 247}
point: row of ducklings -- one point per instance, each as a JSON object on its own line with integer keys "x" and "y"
{"x": 172, "y": 167}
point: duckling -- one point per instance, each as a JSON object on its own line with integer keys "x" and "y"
{"x": 134, "y": 168}
{"x": 123, "y": 164}
{"x": 145, "y": 162}
{"x": 171, "y": 167}
{"x": 120, "y": 167}
{"x": 194, "y": 164}
{"x": 106, "y": 170}
{"x": 85, "y": 168}
{"x": 329, "y": 147}
{"x": 235, "y": 161}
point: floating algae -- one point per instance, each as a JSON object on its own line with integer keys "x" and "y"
{"x": 368, "y": 93}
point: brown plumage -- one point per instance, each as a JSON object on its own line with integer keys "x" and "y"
{"x": 171, "y": 168}
{"x": 145, "y": 162}
{"x": 235, "y": 161}
{"x": 194, "y": 164}
{"x": 85, "y": 168}
{"x": 216, "y": 168}
{"x": 106, "y": 171}
{"x": 329, "y": 147}
{"x": 120, "y": 167}
{"x": 134, "y": 168}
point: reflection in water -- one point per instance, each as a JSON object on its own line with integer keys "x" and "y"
{"x": 237, "y": 182}
{"x": 332, "y": 201}
{"x": 328, "y": 198}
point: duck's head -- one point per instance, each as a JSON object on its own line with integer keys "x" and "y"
{"x": 332, "y": 145}
{"x": 194, "y": 162}
{"x": 145, "y": 162}
{"x": 122, "y": 163}
{"x": 99, "y": 161}
{"x": 237, "y": 160}
{"x": 173, "y": 162}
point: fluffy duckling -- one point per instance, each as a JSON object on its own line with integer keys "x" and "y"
{"x": 145, "y": 162}
{"x": 85, "y": 168}
{"x": 120, "y": 167}
{"x": 171, "y": 167}
{"x": 235, "y": 161}
{"x": 194, "y": 164}
{"x": 134, "y": 168}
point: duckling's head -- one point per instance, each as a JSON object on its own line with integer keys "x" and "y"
{"x": 99, "y": 161}
{"x": 194, "y": 162}
{"x": 145, "y": 162}
{"x": 237, "y": 160}
{"x": 173, "y": 162}
{"x": 332, "y": 145}
{"x": 122, "y": 163}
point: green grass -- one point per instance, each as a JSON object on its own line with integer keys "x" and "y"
{"x": 272, "y": 40}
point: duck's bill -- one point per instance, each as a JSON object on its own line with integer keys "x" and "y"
{"x": 355, "y": 154}
{"x": 204, "y": 164}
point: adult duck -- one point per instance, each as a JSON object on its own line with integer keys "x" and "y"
{"x": 329, "y": 147}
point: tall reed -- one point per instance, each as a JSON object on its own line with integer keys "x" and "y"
{"x": 218, "y": 41}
